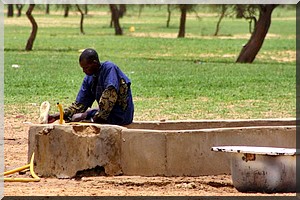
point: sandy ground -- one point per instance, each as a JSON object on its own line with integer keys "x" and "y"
{"x": 15, "y": 155}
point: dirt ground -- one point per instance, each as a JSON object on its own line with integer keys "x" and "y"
{"x": 15, "y": 155}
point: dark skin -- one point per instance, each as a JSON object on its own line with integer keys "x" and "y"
{"x": 89, "y": 68}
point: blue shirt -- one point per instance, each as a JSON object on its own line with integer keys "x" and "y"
{"x": 93, "y": 86}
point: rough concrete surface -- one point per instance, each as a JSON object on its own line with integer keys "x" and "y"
{"x": 63, "y": 150}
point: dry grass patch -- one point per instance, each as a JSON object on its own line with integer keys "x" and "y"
{"x": 278, "y": 56}
{"x": 247, "y": 109}
{"x": 154, "y": 35}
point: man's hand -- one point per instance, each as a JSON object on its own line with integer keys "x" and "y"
{"x": 79, "y": 117}
{"x": 53, "y": 118}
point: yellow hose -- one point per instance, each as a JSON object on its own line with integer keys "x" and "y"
{"x": 61, "y": 113}
{"x": 30, "y": 166}
{"x": 31, "y": 169}
{"x": 16, "y": 170}
{"x": 20, "y": 180}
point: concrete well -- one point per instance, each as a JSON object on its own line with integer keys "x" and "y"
{"x": 64, "y": 150}
{"x": 165, "y": 148}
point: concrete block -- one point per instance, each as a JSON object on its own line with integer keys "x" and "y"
{"x": 143, "y": 152}
{"x": 189, "y": 152}
{"x": 63, "y": 150}
{"x": 205, "y": 124}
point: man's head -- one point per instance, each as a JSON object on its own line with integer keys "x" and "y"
{"x": 89, "y": 61}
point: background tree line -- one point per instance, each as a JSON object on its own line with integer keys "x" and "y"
{"x": 258, "y": 16}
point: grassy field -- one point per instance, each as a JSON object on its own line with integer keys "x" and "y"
{"x": 189, "y": 78}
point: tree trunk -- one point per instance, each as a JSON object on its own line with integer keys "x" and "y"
{"x": 47, "y": 9}
{"x": 250, "y": 50}
{"x": 122, "y": 10}
{"x": 115, "y": 18}
{"x": 239, "y": 11}
{"x": 10, "y": 10}
{"x": 224, "y": 8}
{"x": 86, "y": 10}
{"x": 111, "y": 21}
{"x": 81, "y": 20}
{"x": 183, "y": 9}
{"x": 34, "y": 28}
{"x": 141, "y": 7}
{"x": 19, "y": 8}
{"x": 169, "y": 15}
{"x": 67, "y": 7}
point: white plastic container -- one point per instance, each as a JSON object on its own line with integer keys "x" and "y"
{"x": 262, "y": 169}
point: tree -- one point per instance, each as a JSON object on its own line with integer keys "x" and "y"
{"x": 169, "y": 15}
{"x": 141, "y": 7}
{"x": 247, "y": 12}
{"x": 239, "y": 11}
{"x": 250, "y": 50}
{"x": 19, "y": 8}
{"x": 122, "y": 10}
{"x": 115, "y": 16}
{"x": 66, "y": 9}
{"x": 10, "y": 10}
{"x": 224, "y": 8}
{"x": 239, "y": 8}
{"x": 47, "y": 9}
{"x": 184, "y": 8}
{"x": 34, "y": 28}
{"x": 86, "y": 9}
{"x": 81, "y": 19}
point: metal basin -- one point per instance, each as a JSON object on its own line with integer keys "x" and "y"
{"x": 262, "y": 169}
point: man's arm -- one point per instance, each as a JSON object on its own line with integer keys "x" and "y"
{"x": 84, "y": 96}
{"x": 68, "y": 112}
{"x": 73, "y": 109}
{"x": 106, "y": 104}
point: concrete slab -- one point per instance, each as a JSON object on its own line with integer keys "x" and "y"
{"x": 189, "y": 152}
{"x": 63, "y": 150}
{"x": 205, "y": 124}
{"x": 143, "y": 152}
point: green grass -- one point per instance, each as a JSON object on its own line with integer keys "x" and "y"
{"x": 190, "y": 78}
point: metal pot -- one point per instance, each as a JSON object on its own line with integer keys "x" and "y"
{"x": 262, "y": 169}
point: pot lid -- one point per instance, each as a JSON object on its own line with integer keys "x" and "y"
{"x": 256, "y": 150}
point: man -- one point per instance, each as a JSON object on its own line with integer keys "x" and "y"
{"x": 108, "y": 85}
